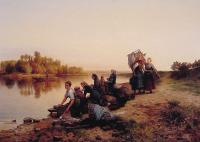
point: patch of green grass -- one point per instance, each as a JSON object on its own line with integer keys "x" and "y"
{"x": 187, "y": 85}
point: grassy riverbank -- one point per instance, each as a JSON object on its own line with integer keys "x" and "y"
{"x": 148, "y": 115}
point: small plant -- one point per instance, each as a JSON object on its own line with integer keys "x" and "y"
{"x": 173, "y": 113}
{"x": 173, "y": 103}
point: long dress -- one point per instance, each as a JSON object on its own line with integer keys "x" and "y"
{"x": 137, "y": 80}
{"x": 149, "y": 80}
{"x": 95, "y": 96}
{"x": 111, "y": 82}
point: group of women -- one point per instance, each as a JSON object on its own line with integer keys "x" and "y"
{"x": 144, "y": 75}
{"x": 143, "y": 79}
{"x": 78, "y": 96}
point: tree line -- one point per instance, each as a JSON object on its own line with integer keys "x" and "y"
{"x": 182, "y": 69}
{"x": 37, "y": 64}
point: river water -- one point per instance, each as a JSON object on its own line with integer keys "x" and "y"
{"x": 28, "y": 98}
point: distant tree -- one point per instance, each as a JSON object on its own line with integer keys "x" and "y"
{"x": 184, "y": 70}
{"x": 74, "y": 70}
{"x": 181, "y": 70}
{"x": 65, "y": 69}
{"x": 38, "y": 69}
{"x": 10, "y": 67}
{"x": 175, "y": 66}
{"x": 23, "y": 67}
{"x": 37, "y": 57}
{"x": 38, "y": 64}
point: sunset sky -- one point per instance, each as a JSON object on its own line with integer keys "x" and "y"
{"x": 98, "y": 34}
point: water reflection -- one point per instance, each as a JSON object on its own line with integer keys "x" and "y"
{"x": 7, "y": 82}
{"x": 32, "y": 87}
{"x": 37, "y": 87}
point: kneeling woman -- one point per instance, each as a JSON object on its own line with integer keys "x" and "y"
{"x": 95, "y": 96}
{"x": 69, "y": 94}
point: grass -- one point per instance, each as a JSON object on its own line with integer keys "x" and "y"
{"x": 186, "y": 85}
{"x": 181, "y": 116}
{"x": 143, "y": 132}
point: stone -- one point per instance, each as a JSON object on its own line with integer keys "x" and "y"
{"x": 54, "y": 114}
{"x": 28, "y": 120}
{"x": 52, "y": 110}
{"x": 98, "y": 138}
{"x": 106, "y": 128}
{"x": 37, "y": 129}
{"x": 71, "y": 135}
{"x": 116, "y": 134}
{"x": 36, "y": 121}
{"x": 56, "y": 122}
{"x": 57, "y": 138}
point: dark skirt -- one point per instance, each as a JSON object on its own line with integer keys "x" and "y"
{"x": 95, "y": 97}
{"x": 137, "y": 81}
{"x": 149, "y": 81}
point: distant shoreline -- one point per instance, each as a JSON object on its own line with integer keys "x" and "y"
{"x": 19, "y": 76}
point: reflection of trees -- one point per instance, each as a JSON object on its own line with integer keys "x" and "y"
{"x": 25, "y": 87}
{"x": 9, "y": 83}
{"x": 28, "y": 86}
{"x": 45, "y": 87}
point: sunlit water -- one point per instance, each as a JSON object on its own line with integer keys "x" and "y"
{"x": 20, "y": 99}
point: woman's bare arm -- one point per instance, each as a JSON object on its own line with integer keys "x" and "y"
{"x": 63, "y": 101}
{"x": 69, "y": 106}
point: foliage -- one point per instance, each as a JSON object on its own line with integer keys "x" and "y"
{"x": 173, "y": 114}
{"x": 9, "y": 66}
{"x": 23, "y": 67}
{"x": 38, "y": 64}
{"x": 182, "y": 70}
{"x": 187, "y": 117}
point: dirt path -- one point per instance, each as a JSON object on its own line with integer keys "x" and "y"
{"x": 167, "y": 90}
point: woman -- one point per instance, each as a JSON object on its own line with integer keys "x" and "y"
{"x": 137, "y": 81}
{"x": 149, "y": 79}
{"x": 80, "y": 100}
{"x": 111, "y": 81}
{"x": 96, "y": 83}
{"x": 95, "y": 96}
{"x": 69, "y": 94}
{"x": 103, "y": 85}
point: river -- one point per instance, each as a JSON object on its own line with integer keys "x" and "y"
{"x": 28, "y": 98}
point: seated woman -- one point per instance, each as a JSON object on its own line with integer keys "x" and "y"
{"x": 99, "y": 113}
{"x": 95, "y": 96}
{"x": 69, "y": 94}
{"x": 96, "y": 83}
{"x": 111, "y": 81}
{"x": 103, "y": 86}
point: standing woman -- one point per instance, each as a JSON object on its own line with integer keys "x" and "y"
{"x": 137, "y": 81}
{"x": 149, "y": 79}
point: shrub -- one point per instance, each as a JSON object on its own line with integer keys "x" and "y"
{"x": 173, "y": 113}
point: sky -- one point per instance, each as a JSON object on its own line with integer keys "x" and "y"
{"x": 98, "y": 34}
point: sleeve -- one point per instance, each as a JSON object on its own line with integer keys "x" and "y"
{"x": 71, "y": 95}
{"x": 85, "y": 90}
{"x": 66, "y": 94}
{"x": 154, "y": 69}
{"x": 135, "y": 66}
